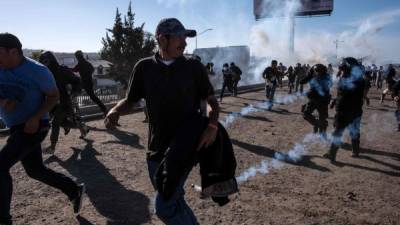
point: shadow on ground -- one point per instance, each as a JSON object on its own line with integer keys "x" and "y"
{"x": 111, "y": 199}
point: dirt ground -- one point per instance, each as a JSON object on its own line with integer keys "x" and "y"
{"x": 363, "y": 190}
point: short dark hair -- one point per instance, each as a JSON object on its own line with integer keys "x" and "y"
{"x": 10, "y": 41}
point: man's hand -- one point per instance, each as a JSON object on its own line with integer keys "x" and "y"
{"x": 396, "y": 98}
{"x": 32, "y": 125}
{"x": 208, "y": 136}
{"x": 111, "y": 120}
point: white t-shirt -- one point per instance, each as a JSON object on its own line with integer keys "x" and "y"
{"x": 167, "y": 62}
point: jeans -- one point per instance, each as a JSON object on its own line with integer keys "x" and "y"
{"x": 174, "y": 211}
{"x": 270, "y": 92}
{"x": 27, "y": 149}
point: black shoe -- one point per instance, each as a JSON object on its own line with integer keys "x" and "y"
{"x": 48, "y": 151}
{"x": 84, "y": 131}
{"x": 355, "y": 155}
{"x": 330, "y": 156}
{"x": 67, "y": 130}
{"x": 315, "y": 129}
{"x": 10, "y": 223}
{"x": 77, "y": 200}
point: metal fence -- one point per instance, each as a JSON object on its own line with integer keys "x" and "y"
{"x": 109, "y": 95}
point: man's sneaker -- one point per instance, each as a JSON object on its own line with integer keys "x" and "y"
{"x": 330, "y": 156}
{"x": 67, "y": 130}
{"x": 49, "y": 151}
{"x": 78, "y": 199}
{"x": 84, "y": 131}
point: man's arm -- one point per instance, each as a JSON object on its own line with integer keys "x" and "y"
{"x": 51, "y": 99}
{"x": 209, "y": 135}
{"x": 134, "y": 94}
{"x": 306, "y": 79}
{"x": 214, "y": 113}
{"x": 76, "y": 68}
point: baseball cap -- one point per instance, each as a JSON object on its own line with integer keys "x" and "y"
{"x": 173, "y": 26}
{"x": 9, "y": 41}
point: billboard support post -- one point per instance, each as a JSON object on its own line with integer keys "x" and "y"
{"x": 292, "y": 24}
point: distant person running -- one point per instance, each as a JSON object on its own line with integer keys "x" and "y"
{"x": 390, "y": 81}
{"x": 85, "y": 70}
{"x": 63, "y": 113}
{"x": 27, "y": 93}
{"x": 396, "y": 97}
{"x": 227, "y": 80}
{"x": 271, "y": 75}
{"x": 291, "y": 78}
{"x": 236, "y": 77}
{"x": 318, "y": 98}
{"x": 300, "y": 73}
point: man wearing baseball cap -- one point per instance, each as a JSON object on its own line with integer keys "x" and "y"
{"x": 25, "y": 112}
{"x": 173, "y": 87}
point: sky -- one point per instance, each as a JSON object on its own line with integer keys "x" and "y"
{"x": 368, "y": 27}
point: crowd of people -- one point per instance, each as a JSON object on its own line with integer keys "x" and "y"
{"x": 354, "y": 82}
{"x": 36, "y": 97}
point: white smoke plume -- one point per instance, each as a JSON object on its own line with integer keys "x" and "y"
{"x": 171, "y": 3}
{"x": 294, "y": 155}
{"x": 361, "y": 40}
{"x": 279, "y": 99}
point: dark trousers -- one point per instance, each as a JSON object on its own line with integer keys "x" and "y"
{"x": 225, "y": 84}
{"x": 397, "y": 114}
{"x": 64, "y": 116}
{"x": 342, "y": 122}
{"x": 89, "y": 91}
{"x": 379, "y": 83}
{"x": 234, "y": 87}
{"x": 291, "y": 86}
{"x": 322, "y": 108}
{"x": 299, "y": 87}
{"x": 270, "y": 92}
{"x": 27, "y": 149}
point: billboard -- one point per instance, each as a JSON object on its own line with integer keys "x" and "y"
{"x": 278, "y": 8}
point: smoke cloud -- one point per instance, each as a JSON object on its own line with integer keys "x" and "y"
{"x": 294, "y": 155}
{"x": 279, "y": 99}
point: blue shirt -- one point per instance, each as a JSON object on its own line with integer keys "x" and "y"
{"x": 27, "y": 85}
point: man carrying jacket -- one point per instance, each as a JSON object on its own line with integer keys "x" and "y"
{"x": 173, "y": 87}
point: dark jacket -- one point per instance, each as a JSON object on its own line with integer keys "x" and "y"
{"x": 67, "y": 83}
{"x": 236, "y": 72}
{"x": 319, "y": 87}
{"x": 217, "y": 162}
{"x": 396, "y": 89}
{"x": 85, "y": 70}
{"x": 350, "y": 96}
{"x": 271, "y": 75}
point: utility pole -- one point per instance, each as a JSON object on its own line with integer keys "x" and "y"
{"x": 337, "y": 46}
{"x": 292, "y": 25}
{"x": 202, "y": 33}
